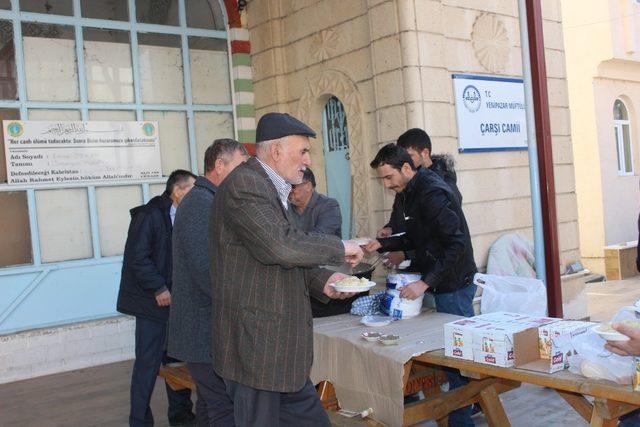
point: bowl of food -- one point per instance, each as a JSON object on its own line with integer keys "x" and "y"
{"x": 371, "y": 336}
{"x": 389, "y": 339}
{"x": 606, "y": 331}
{"x": 353, "y": 284}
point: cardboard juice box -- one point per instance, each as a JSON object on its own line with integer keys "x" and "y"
{"x": 555, "y": 346}
{"x": 494, "y": 344}
{"x": 550, "y": 334}
{"x": 458, "y": 337}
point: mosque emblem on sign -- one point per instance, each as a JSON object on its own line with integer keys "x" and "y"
{"x": 148, "y": 129}
{"x": 15, "y": 129}
{"x": 471, "y": 98}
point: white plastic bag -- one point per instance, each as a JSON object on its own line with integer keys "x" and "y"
{"x": 513, "y": 294}
{"x": 594, "y": 361}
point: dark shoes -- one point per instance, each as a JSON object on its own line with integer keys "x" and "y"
{"x": 184, "y": 419}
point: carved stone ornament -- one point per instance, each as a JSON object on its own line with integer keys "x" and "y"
{"x": 336, "y": 83}
{"x": 490, "y": 40}
{"x": 323, "y": 45}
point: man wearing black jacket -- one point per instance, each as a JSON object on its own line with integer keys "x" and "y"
{"x": 437, "y": 232}
{"x": 145, "y": 292}
{"x": 418, "y": 145}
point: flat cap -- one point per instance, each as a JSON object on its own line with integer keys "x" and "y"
{"x": 278, "y": 125}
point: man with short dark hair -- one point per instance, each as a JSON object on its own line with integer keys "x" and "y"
{"x": 312, "y": 211}
{"x": 438, "y": 234}
{"x": 418, "y": 144}
{"x": 189, "y": 336}
{"x": 263, "y": 270}
{"x": 145, "y": 292}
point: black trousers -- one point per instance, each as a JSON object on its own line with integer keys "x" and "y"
{"x": 150, "y": 353}
{"x": 258, "y": 408}
{"x": 214, "y": 408}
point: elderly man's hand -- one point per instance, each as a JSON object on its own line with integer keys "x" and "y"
{"x": 331, "y": 292}
{"x": 352, "y": 252}
{"x": 625, "y": 348}
{"x": 384, "y": 232}
{"x": 163, "y": 299}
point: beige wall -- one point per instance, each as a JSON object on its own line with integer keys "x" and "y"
{"x": 392, "y": 60}
{"x": 601, "y": 41}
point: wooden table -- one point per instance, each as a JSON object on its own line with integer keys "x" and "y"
{"x": 609, "y": 400}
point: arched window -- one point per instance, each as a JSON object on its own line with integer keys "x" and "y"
{"x": 622, "y": 131}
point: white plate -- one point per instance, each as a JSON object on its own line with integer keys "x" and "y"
{"x": 361, "y": 241}
{"x": 353, "y": 288}
{"x": 404, "y": 264}
{"x": 376, "y": 320}
{"x": 610, "y": 336}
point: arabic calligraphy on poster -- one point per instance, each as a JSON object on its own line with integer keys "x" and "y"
{"x": 47, "y": 152}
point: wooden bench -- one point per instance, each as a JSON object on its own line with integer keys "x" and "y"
{"x": 417, "y": 377}
{"x": 177, "y": 376}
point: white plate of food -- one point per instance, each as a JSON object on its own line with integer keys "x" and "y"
{"x": 606, "y": 331}
{"x": 353, "y": 284}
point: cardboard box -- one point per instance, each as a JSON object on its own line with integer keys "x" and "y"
{"x": 561, "y": 350}
{"x": 458, "y": 337}
{"x": 495, "y": 343}
{"x": 550, "y": 334}
{"x": 501, "y": 317}
{"x": 513, "y": 340}
{"x": 620, "y": 260}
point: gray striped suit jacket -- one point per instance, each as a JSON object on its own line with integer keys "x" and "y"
{"x": 262, "y": 271}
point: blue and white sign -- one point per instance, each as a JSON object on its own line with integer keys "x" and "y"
{"x": 490, "y": 113}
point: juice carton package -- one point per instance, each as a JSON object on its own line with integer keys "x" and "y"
{"x": 501, "y": 317}
{"x": 551, "y": 334}
{"x": 493, "y": 344}
{"x": 458, "y": 337}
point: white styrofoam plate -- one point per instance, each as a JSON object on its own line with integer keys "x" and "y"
{"x": 608, "y": 335}
{"x": 353, "y": 288}
{"x": 361, "y": 241}
{"x": 376, "y": 320}
{"x": 404, "y": 264}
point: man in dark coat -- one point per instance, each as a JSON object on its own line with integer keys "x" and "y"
{"x": 312, "y": 211}
{"x": 189, "y": 336}
{"x": 438, "y": 234}
{"x": 145, "y": 292}
{"x": 263, "y": 271}
{"x": 317, "y": 213}
{"x": 418, "y": 145}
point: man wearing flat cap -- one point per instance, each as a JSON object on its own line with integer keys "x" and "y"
{"x": 262, "y": 272}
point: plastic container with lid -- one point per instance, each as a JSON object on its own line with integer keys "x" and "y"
{"x": 395, "y": 306}
{"x": 398, "y": 280}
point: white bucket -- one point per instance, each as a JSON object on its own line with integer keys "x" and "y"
{"x": 393, "y": 305}
{"x": 396, "y": 281}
